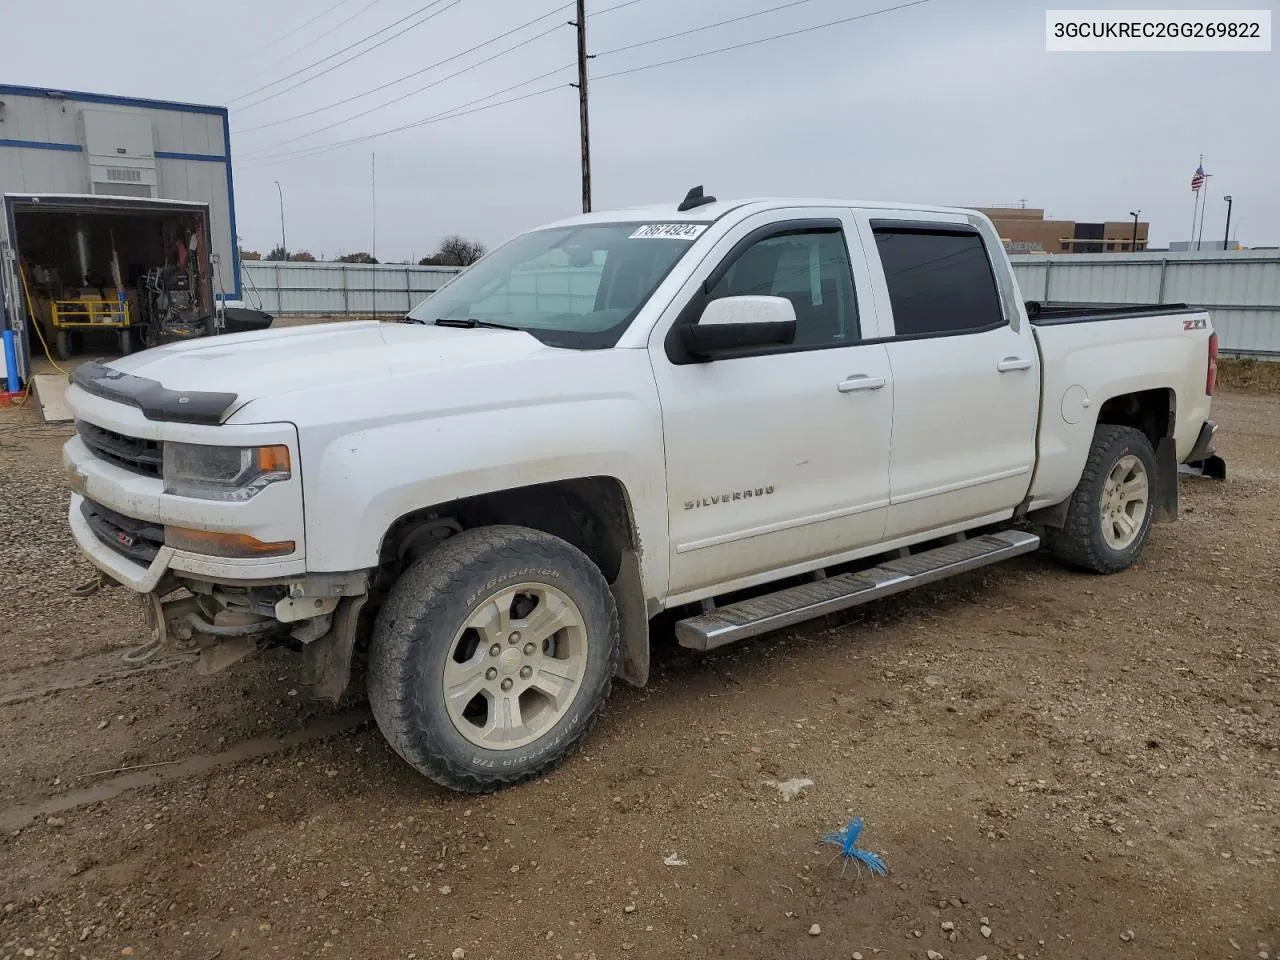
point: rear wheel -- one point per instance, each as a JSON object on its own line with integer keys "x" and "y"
{"x": 492, "y": 657}
{"x": 1110, "y": 514}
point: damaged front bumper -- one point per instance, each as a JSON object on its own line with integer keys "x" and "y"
{"x": 316, "y": 616}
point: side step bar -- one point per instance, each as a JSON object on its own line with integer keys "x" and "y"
{"x": 750, "y": 618}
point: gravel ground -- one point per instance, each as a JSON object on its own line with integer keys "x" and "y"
{"x": 1052, "y": 765}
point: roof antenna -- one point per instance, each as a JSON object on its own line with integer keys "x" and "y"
{"x": 695, "y": 198}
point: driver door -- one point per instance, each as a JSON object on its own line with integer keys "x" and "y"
{"x": 779, "y": 459}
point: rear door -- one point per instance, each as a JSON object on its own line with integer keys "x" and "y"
{"x": 965, "y": 371}
{"x": 780, "y": 458}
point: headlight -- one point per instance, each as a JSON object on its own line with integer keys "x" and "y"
{"x": 222, "y": 473}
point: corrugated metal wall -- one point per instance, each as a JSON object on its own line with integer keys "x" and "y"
{"x": 337, "y": 289}
{"x": 1241, "y": 289}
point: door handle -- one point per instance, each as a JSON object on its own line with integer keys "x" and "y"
{"x": 1009, "y": 364}
{"x": 860, "y": 382}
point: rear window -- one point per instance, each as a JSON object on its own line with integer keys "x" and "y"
{"x": 940, "y": 282}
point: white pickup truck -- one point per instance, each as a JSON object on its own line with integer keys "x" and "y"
{"x": 750, "y": 413}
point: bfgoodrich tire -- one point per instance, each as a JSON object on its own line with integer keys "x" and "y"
{"x": 1110, "y": 514}
{"x": 492, "y": 656}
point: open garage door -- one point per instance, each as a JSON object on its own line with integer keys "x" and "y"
{"x": 91, "y": 275}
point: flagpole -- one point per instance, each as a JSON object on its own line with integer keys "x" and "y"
{"x": 1195, "y": 206}
{"x": 1195, "y": 212}
{"x": 1204, "y": 206}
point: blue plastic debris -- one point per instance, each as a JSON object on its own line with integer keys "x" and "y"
{"x": 847, "y": 841}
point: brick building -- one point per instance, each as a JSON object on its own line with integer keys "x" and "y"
{"x": 1025, "y": 230}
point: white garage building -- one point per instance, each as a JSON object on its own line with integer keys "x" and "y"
{"x": 95, "y": 186}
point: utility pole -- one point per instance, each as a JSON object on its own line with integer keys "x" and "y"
{"x": 284, "y": 249}
{"x": 1226, "y": 236}
{"x": 1133, "y": 244}
{"x": 583, "y": 120}
{"x": 373, "y": 201}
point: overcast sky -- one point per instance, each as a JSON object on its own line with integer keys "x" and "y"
{"x": 950, "y": 101}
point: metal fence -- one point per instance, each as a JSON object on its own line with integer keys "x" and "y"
{"x": 1240, "y": 288}
{"x": 288, "y": 288}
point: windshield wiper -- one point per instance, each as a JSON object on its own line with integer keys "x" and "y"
{"x": 470, "y": 323}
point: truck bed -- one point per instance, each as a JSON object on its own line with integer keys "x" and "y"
{"x": 1158, "y": 349}
{"x": 1049, "y": 312}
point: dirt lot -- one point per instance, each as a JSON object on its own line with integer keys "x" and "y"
{"x": 1053, "y": 765}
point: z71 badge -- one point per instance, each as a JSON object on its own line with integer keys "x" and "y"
{"x": 1199, "y": 323}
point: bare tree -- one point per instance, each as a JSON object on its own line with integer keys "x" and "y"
{"x": 454, "y": 251}
{"x": 303, "y": 256}
{"x": 249, "y": 254}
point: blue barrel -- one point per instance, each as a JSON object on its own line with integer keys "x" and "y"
{"x": 11, "y": 362}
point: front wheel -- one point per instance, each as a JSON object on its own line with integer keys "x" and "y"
{"x": 1110, "y": 514}
{"x": 492, "y": 657}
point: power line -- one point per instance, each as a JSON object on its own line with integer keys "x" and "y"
{"x": 296, "y": 30}
{"x": 416, "y": 90}
{"x": 617, "y": 6}
{"x": 752, "y": 43}
{"x": 709, "y": 26}
{"x": 337, "y": 53}
{"x": 463, "y": 109}
{"x": 432, "y": 67}
{"x": 419, "y": 90}
{"x": 408, "y": 76}
{"x": 316, "y": 39}
{"x": 460, "y": 111}
{"x": 354, "y": 56}
{"x": 453, "y": 114}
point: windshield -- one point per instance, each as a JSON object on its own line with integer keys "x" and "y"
{"x": 577, "y": 286}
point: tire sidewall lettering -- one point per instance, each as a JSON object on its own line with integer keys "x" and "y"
{"x": 567, "y": 731}
{"x": 493, "y": 583}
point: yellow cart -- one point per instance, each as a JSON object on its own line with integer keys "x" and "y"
{"x": 68, "y": 316}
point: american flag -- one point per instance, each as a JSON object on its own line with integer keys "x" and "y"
{"x": 1197, "y": 179}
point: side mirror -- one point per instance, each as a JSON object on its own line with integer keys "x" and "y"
{"x": 733, "y": 325}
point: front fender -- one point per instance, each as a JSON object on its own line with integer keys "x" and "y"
{"x": 360, "y": 482}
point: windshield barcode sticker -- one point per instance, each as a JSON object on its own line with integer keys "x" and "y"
{"x": 669, "y": 231}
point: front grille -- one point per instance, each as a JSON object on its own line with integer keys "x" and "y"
{"x": 136, "y": 539}
{"x": 144, "y": 457}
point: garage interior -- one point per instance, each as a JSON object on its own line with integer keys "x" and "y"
{"x": 112, "y": 276}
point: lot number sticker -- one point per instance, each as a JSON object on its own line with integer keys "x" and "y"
{"x": 669, "y": 231}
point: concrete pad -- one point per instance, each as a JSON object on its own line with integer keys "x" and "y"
{"x": 51, "y": 394}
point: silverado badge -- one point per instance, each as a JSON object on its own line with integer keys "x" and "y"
{"x": 727, "y": 497}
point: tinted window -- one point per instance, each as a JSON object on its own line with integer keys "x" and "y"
{"x": 809, "y": 269}
{"x": 938, "y": 282}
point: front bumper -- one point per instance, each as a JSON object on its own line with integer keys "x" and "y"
{"x": 144, "y": 579}
{"x": 274, "y": 515}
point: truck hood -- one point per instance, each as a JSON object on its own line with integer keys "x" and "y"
{"x": 332, "y": 355}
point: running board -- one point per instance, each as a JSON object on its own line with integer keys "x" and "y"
{"x": 750, "y": 618}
